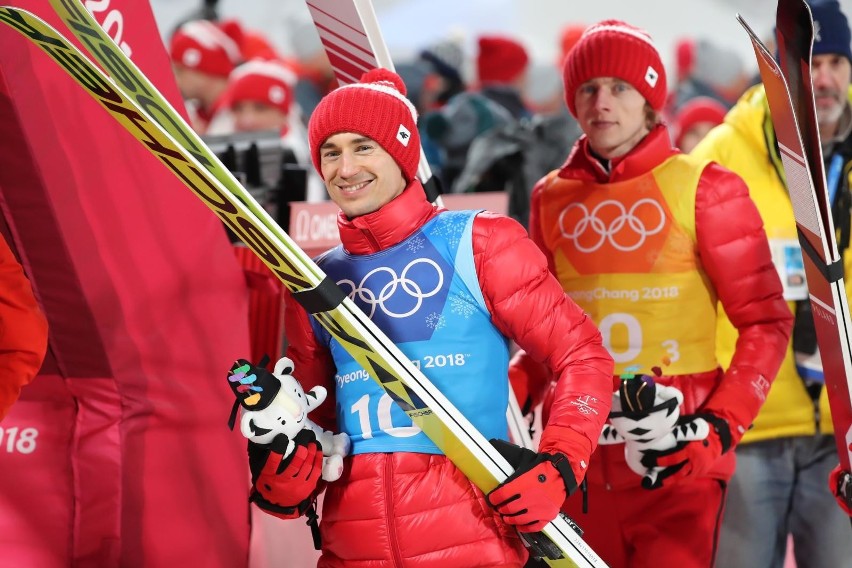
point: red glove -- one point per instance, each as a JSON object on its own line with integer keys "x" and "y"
{"x": 688, "y": 459}
{"x": 840, "y": 483}
{"x": 286, "y": 487}
{"x": 533, "y": 495}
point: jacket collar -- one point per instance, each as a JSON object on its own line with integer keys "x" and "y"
{"x": 651, "y": 151}
{"x": 389, "y": 225}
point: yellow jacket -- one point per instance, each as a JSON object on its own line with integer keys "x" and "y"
{"x": 745, "y": 144}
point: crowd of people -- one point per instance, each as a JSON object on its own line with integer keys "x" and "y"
{"x": 617, "y": 146}
{"x": 650, "y": 237}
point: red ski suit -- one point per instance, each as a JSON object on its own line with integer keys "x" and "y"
{"x": 626, "y": 524}
{"x": 418, "y": 510}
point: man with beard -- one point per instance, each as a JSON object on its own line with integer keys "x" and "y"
{"x": 779, "y": 487}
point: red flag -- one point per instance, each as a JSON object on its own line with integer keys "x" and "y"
{"x": 118, "y": 453}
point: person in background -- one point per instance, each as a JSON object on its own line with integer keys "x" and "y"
{"x": 400, "y": 500}
{"x": 23, "y": 330}
{"x": 501, "y": 66}
{"x": 454, "y": 127}
{"x": 203, "y": 55}
{"x": 646, "y": 240}
{"x": 445, "y": 60}
{"x": 706, "y": 69}
{"x": 694, "y": 120}
{"x": 784, "y": 461}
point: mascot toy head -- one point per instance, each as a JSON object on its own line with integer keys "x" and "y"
{"x": 273, "y": 403}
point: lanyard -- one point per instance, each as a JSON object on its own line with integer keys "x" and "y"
{"x": 834, "y": 170}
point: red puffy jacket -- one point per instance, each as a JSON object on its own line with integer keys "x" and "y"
{"x": 417, "y": 508}
{"x": 735, "y": 255}
{"x": 23, "y": 330}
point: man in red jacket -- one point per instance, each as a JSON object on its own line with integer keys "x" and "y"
{"x": 23, "y": 330}
{"x": 646, "y": 240}
{"x": 450, "y": 289}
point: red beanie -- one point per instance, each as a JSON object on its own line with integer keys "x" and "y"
{"x": 613, "y": 48}
{"x": 266, "y": 82}
{"x": 375, "y": 107}
{"x": 500, "y": 60}
{"x": 206, "y": 47}
{"x": 568, "y": 38}
{"x": 695, "y": 111}
{"x": 685, "y": 58}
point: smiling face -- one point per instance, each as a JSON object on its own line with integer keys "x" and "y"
{"x": 360, "y": 175}
{"x": 612, "y": 114}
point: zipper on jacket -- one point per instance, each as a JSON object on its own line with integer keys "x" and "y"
{"x": 372, "y": 240}
{"x": 388, "y": 487}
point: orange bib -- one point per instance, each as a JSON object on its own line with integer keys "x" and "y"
{"x": 626, "y": 253}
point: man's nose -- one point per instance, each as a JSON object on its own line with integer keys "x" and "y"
{"x": 821, "y": 77}
{"x": 603, "y": 99}
{"x": 348, "y": 164}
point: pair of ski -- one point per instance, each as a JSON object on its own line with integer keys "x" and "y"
{"x": 789, "y": 90}
{"x": 137, "y": 105}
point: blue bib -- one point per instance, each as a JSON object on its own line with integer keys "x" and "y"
{"x": 424, "y": 294}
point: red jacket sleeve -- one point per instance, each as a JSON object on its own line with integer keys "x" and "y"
{"x": 23, "y": 330}
{"x": 528, "y": 305}
{"x": 313, "y": 365}
{"x": 735, "y": 254}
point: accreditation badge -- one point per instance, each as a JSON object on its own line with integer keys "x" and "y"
{"x": 787, "y": 258}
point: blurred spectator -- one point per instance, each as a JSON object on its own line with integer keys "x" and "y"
{"x": 501, "y": 65}
{"x": 203, "y": 54}
{"x": 454, "y": 127}
{"x": 260, "y": 97}
{"x": 694, "y": 120}
{"x": 438, "y": 78}
{"x": 512, "y": 158}
{"x": 705, "y": 69}
{"x": 684, "y": 59}
{"x": 445, "y": 60}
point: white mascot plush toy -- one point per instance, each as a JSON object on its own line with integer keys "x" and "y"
{"x": 645, "y": 417}
{"x": 275, "y": 403}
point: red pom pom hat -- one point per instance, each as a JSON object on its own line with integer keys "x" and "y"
{"x": 375, "y": 107}
{"x": 613, "y": 48}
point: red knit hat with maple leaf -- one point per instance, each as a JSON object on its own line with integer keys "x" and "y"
{"x": 375, "y": 107}
{"x": 613, "y": 48}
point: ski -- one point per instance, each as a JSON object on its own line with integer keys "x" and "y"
{"x": 132, "y": 101}
{"x": 350, "y": 34}
{"x": 789, "y": 90}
